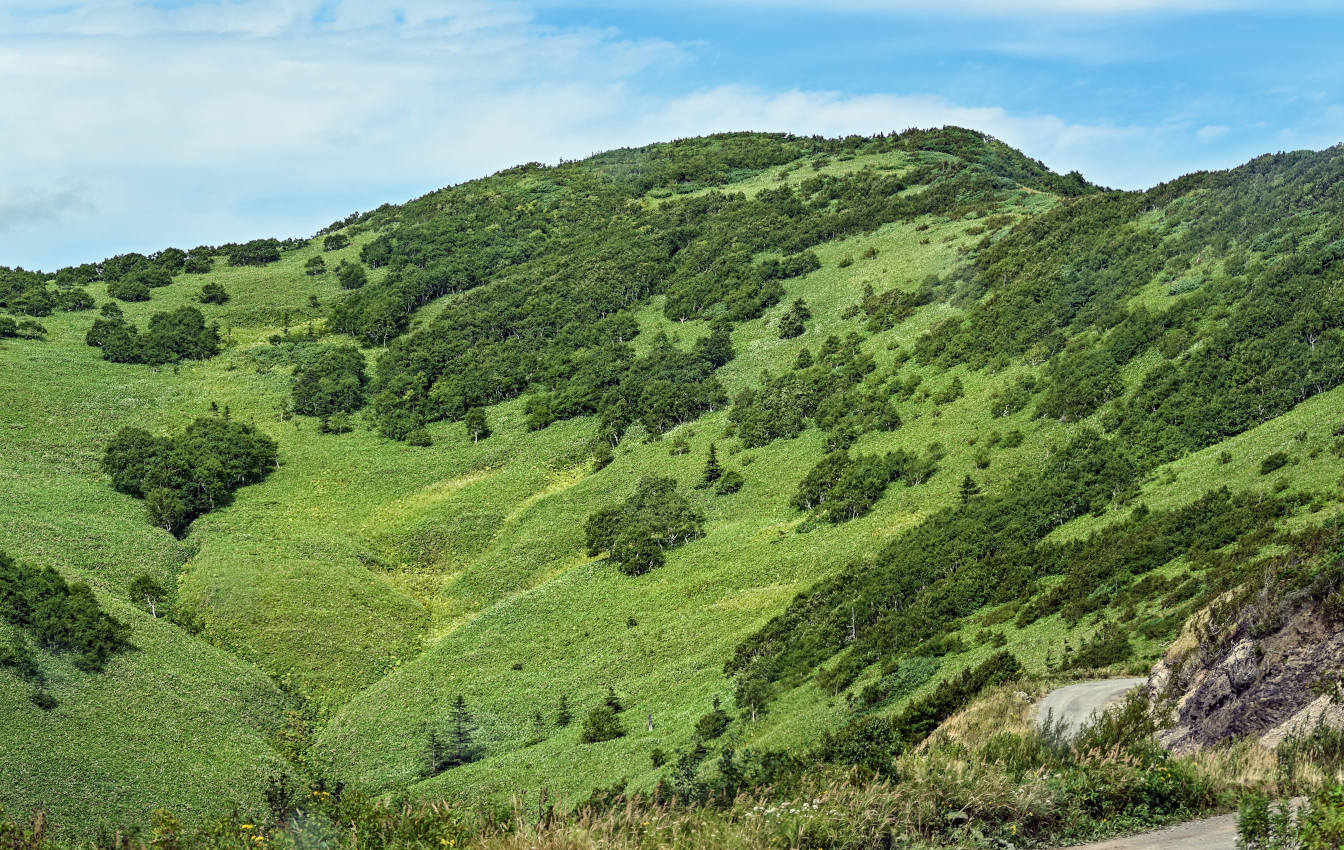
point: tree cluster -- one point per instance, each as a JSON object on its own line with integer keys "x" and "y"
{"x": 183, "y": 477}
{"x": 60, "y": 616}
{"x": 637, "y": 532}
{"x": 179, "y": 334}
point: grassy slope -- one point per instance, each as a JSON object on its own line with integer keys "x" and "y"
{"x": 173, "y": 709}
{"x": 381, "y": 579}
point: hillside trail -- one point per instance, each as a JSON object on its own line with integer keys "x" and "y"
{"x": 1072, "y": 706}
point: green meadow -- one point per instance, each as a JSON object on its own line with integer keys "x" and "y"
{"x": 342, "y": 604}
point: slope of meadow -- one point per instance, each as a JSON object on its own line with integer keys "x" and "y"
{"x": 343, "y": 603}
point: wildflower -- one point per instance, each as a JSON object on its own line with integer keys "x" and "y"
{"x": 246, "y": 825}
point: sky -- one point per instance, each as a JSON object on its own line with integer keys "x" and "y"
{"x": 133, "y": 126}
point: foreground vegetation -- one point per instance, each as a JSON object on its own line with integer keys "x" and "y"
{"x": 988, "y": 778}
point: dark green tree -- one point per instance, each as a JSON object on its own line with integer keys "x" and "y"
{"x": 351, "y": 274}
{"x": 601, "y": 724}
{"x": 969, "y": 489}
{"x": 477, "y": 428}
{"x": 563, "y": 715}
{"x": 794, "y": 321}
{"x": 712, "y": 471}
{"x": 147, "y": 592}
{"x": 332, "y": 382}
{"x": 213, "y": 292}
{"x": 612, "y": 701}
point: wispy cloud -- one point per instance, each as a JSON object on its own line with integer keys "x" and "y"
{"x": 25, "y": 205}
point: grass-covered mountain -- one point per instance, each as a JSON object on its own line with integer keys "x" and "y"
{"x": 970, "y": 420}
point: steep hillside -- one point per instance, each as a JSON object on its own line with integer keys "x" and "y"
{"x": 970, "y": 420}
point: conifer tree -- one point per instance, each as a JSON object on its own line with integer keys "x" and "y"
{"x": 712, "y": 469}
{"x": 563, "y": 716}
{"x": 969, "y": 489}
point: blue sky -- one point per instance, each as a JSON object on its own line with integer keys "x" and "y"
{"x": 136, "y": 125}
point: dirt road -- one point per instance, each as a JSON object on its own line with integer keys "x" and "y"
{"x": 1074, "y": 704}
{"x": 1218, "y": 833}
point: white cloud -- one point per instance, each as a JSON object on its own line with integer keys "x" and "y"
{"x": 1212, "y": 132}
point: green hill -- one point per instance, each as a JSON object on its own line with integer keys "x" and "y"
{"x": 1005, "y": 426}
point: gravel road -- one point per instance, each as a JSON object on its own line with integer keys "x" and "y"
{"x": 1218, "y": 833}
{"x": 1074, "y": 704}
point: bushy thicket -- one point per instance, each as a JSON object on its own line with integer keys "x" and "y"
{"x": 179, "y": 334}
{"x": 638, "y": 531}
{"x": 60, "y": 616}
{"x": 185, "y": 476}
{"x": 329, "y": 380}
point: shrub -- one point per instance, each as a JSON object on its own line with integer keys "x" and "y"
{"x": 601, "y": 724}
{"x": 128, "y": 290}
{"x": 1277, "y": 460}
{"x": 213, "y": 292}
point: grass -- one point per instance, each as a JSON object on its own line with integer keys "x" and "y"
{"x": 376, "y": 581}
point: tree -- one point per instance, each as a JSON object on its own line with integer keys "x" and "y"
{"x": 730, "y": 483}
{"x": 182, "y": 477}
{"x": 146, "y": 591}
{"x": 351, "y": 274}
{"x": 213, "y": 292}
{"x": 167, "y": 510}
{"x": 601, "y": 724}
{"x": 563, "y": 715}
{"x": 713, "y": 724}
{"x": 969, "y": 489}
{"x": 637, "y": 532}
{"x": 793, "y": 322}
{"x": 458, "y": 746}
{"x": 315, "y": 266}
{"x": 476, "y": 424}
{"x": 335, "y": 242}
{"x": 612, "y": 701}
{"x": 712, "y": 471}
{"x": 128, "y": 290}
{"x": 258, "y": 252}
{"x": 332, "y": 382}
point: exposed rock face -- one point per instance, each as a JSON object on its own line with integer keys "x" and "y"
{"x": 1252, "y": 673}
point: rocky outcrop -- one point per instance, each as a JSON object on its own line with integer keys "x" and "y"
{"x": 1262, "y": 671}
